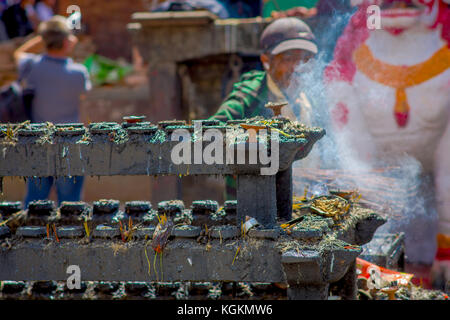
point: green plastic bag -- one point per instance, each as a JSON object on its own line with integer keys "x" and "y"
{"x": 105, "y": 71}
{"x": 283, "y": 5}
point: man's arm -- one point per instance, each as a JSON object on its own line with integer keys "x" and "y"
{"x": 231, "y": 109}
{"x": 240, "y": 98}
{"x": 84, "y": 84}
{"x": 34, "y": 45}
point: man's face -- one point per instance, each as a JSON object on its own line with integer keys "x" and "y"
{"x": 281, "y": 66}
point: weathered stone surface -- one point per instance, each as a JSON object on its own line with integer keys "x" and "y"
{"x": 70, "y": 232}
{"x": 230, "y": 206}
{"x": 284, "y": 194}
{"x": 203, "y": 206}
{"x": 118, "y": 153}
{"x": 44, "y": 287}
{"x": 31, "y": 232}
{"x": 302, "y": 234}
{"x": 292, "y": 257}
{"x": 40, "y": 208}
{"x": 228, "y": 36}
{"x": 12, "y": 287}
{"x": 308, "y": 292}
{"x": 106, "y": 287}
{"x": 106, "y": 232}
{"x": 186, "y": 232}
{"x": 184, "y": 260}
{"x": 141, "y": 233}
{"x": 136, "y": 288}
{"x": 75, "y": 208}
{"x": 81, "y": 290}
{"x": 106, "y": 206}
{"x": 9, "y": 207}
{"x": 256, "y": 198}
{"x": 385, "y": 250}
{"x": 271, "y": 234}
{"x": 171, "y": 207}
{"x": 4, "y": 232}
{"x": 224, "y": 232}
{"x": 137, "y": 208}
{"x": 367, "y": 227}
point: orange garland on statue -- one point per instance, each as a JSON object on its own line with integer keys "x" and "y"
{"x": 400, "y": 77}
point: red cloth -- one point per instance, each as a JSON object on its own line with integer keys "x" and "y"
{"x": 443, "y": 254}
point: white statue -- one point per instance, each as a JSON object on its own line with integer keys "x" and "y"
{"x": 389, "y": 87}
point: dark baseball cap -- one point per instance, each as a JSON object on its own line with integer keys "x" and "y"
{"x": 285, "y": 34}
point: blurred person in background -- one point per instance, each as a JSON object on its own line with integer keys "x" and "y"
{"x": 20, "y": 19}
{"x": 58, "y": 83}
{"x": 3, "y": 34}
{"x": 320, "y": 14}
{"x": 224, "y": 9}
{"x": 287, "y": 44}
{"x": 44, "y": 9}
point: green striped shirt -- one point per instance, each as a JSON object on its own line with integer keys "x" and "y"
{"x": 247, "y": 99}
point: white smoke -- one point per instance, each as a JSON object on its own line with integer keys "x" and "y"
{"x": 396, "y": 183}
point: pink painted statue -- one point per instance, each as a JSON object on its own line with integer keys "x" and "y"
{"x": 390, "y": 94}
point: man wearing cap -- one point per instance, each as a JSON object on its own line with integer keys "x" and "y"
{"x": 58, "y": 84}
{"x": 287, "y": 44}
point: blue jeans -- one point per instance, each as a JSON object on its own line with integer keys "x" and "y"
{"x": 67, "y": 189}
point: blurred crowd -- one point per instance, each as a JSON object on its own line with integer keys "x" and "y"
{"x": 226, "y": 9}
{"x": 19, "y": 18}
